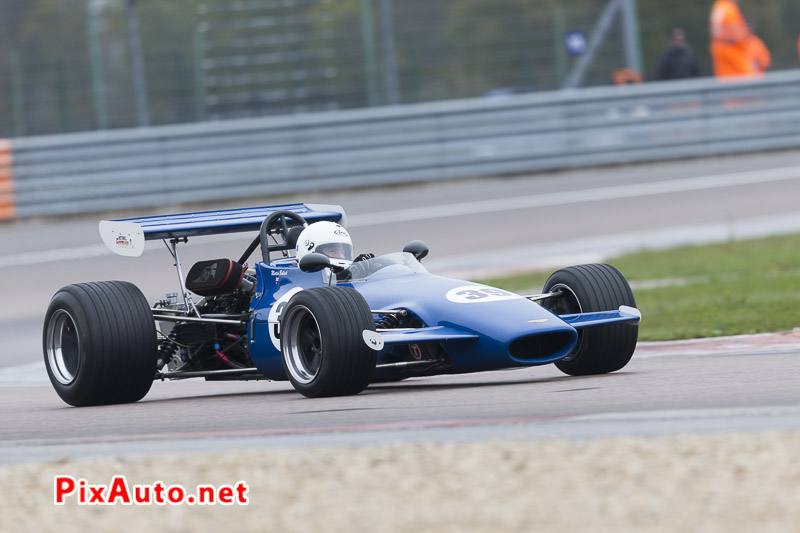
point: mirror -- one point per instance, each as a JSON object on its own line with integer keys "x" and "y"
{"x": 417, "y": 248}
{"x": 315, "y": 262}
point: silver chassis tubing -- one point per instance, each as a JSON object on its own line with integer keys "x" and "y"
{"x": 187, "y": 298}
{"x": 209, "y": 373}
{"x": 257, "y": 375}
{"x": 177, "y": 318}
{"x": 401, "y": 312}
{"x": 537, "y": 297}
{"x": 404, "y": 364}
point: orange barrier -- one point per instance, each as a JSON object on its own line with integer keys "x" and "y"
{"x": 626, "y": 76}
{"x": 6, "y": 182}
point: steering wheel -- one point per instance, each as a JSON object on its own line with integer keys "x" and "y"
{"x": 274, "y": 224}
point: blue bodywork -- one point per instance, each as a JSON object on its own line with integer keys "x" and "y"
{"x": 469, "y": 326}
{"x": 499, "y": 330}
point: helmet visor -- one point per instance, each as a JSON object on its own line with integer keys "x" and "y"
{"x": 336, "y": 250}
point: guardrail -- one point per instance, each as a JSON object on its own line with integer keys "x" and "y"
{"x": 82, "y": 172}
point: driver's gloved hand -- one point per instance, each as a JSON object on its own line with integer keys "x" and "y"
{"x": 360, "y": 271}
{"x": 363, "y": 257}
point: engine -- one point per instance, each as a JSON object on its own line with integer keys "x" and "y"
{"x": 212, "y": 335}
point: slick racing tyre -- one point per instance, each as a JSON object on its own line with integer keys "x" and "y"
{"x": 322, "y": 347}
{"x": 99, "y": 343}
{"x": 591, "y": 288}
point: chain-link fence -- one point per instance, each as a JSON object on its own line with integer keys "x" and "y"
{"x": 76, "y": 65}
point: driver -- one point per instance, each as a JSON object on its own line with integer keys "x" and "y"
{"x": 330, "y": 239}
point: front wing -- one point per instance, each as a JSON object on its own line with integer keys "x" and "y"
{"x": 624, "y": 314}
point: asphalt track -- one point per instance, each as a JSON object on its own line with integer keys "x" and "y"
{"x": 472, "y": 227}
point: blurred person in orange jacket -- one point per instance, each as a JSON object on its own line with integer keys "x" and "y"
{"x": 729, "y": 33}
{"x": 758, "y": 52}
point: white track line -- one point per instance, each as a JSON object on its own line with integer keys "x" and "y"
{"x": 573, "y": 197}
{"x": 479, "y": 207}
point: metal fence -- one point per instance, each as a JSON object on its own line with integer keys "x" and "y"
{"x": 164, "y": 165}
{"x": 82, "y": 65}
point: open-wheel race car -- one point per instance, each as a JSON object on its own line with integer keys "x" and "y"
{"x": 329, "y": 324}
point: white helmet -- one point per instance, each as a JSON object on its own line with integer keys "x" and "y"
{"x": 327, "y": 238}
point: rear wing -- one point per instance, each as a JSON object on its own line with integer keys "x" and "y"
{"x": 127, "y": 236}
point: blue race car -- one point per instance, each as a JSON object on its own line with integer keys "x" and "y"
{"x": 328, "y": 323}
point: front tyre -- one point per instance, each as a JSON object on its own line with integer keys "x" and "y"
{"x": 100, "y": 344}
{"x": 586, "y": 289}
{"x": 322, "y": 345}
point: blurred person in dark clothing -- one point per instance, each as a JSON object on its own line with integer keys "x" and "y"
{"x": 677, "y": 61}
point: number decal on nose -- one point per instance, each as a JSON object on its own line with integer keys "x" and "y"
{"x": 479, "y": 293}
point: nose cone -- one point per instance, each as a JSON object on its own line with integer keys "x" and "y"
{"x": 513, "y": 330}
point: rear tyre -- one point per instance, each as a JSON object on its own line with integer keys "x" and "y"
{"x": 322, "y": 347}
{"x": 100, "y": 344}
{"x": 586, "y": 289}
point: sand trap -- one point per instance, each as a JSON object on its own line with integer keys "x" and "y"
{"x": 719, "y": 482}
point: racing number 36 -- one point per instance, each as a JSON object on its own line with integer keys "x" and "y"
{"x": 477, "y": 294}
{"x": 470, "y": 294}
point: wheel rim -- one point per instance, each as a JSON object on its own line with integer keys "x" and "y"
{"x": 567, "y": 304}
{"x": 63, "y": 347}
{"x": 302, "y": 345}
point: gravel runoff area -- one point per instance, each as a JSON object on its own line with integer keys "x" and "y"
{"x": 711, "y": 482}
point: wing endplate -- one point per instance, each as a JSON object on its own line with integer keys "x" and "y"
{"x": 587, "y": 320}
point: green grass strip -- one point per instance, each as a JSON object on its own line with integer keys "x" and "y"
{"x": 730, "y": 288}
